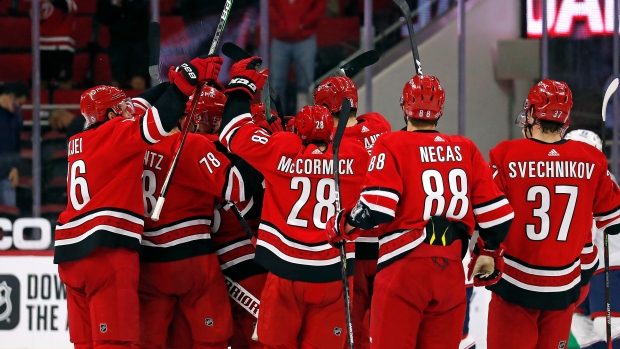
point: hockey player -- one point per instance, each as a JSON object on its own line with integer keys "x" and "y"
{"x": 98, "y": 235}
{"x": 588, "y": 324}
{"x": 365, "y": 128}
{"x": 302, "y": 302}
{"x": 178, "y": 266}
{"x": 427, "y": 190}
{"x": 236, "y": 249}
{"x": 555, "y": 185}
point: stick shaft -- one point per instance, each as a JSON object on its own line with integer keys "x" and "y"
{"x": 404, "y": 7}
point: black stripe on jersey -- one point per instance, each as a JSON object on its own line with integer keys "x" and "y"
{"x": 490, "y": 202}
{"x": 536, "y": 300}
{"x": 364, "y": 217}
{"x": 142, "y": 129}
{"x": 163, "y": 226}
{"x": 366, "y": 251}
{"x": 243, "y": 270}
{"x": 586, "y": 274}
{"x": 116, "y": 209}
{"x": 603, "y": 214}
{"x": 99, "y": 238}
{"x": 294, "y": 240}
{"x": 538, "y": 267}
{"x": 495, "y": 235}
{"x": 300, "y": 272}
{"x": 178, "y": 252}
{"x": 231, "y": 242}
{"x": 382, "y": 189}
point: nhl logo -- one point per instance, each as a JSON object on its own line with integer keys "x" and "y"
{"x": 5, "y": 302}
{"x": 103, "y": 328}
{"x": 337, "y": 331}
{"x": 562, "y": 345}
{"x": 209, "y": 322}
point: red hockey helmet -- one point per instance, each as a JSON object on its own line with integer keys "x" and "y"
{"x": 314, "y": 124}
{"x": 258, "y": 112}
{"x": 95, "y": 103}
{"x": 210, "y": 106}
{"x": 333, "y": 90}
{"x": 423, "y": 98}
{"x": 551, "y": 101}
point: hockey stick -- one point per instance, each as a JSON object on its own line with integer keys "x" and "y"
{"x": 164, "y": 189}
{"x": 241, "y": 296}
{"x": 613, "y": 86}
{"x": 360, "y": 62}
{"x": 346, "y": 109}
{"x": 236, "y": 53}
{"x": 244, "y": 224}
{"x": 404, "y": 7}
{"x": 154, "y": 47}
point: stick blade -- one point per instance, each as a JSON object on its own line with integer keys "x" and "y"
{"x": 364, "y": 60}
{"x": 154, "y": 48}
{"x": 234, "y": 52}
{"x": 613, "y": 86}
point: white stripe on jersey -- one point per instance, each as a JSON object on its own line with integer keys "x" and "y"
{"x": 410, "y": 246}
{"x": 234, "y": 176}
{"x": 542, "y": 288}
{"x": 177, "y": 241}
{"x": 323, "y": 247}
{"x": 495, "y": 222}
{"x": 229, "y": 248}
{"x": 91, "y": 216}
{"x": 145, "y": 128}
{"x": 383, "y": 193}
{"x": 237, "y": 261}
{"x": 491, "y": 207}
{"x": 542, "y": 272}
{"x": 91, "y": 231}
{"x": 232, "y": 126}
{"x": 181, "y": 225}
{"x": 378, "y": 208}
{"x": 367, "y": 239}
{"x": 301, "y": 261}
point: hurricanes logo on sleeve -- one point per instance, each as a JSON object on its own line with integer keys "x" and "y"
{"x": 209, "y": 322}
{"x": 562, "y": 345}
{"x": 9, "y": 302}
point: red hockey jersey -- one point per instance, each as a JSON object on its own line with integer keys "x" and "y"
{"x": 105, "y": 207}
{"x": 369, "y": 127}
{"x": 413, "y": 176}
{"x": 299, "y": 198}
{"x": 57, "y": 26}
{"x": 202, "y": 173}
{"x": 234, "y": 248}
{"x": 555, "y": 189}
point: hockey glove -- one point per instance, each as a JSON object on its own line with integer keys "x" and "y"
{"x": 335, "y": 229}
{"x": 272, "y": 127}
{"x": 244, "y": 76}
{"x": 486, "y": 266}
{"x": 188, "y": 75}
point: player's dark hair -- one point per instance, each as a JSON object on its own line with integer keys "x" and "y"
{"x": 421, "y": 123}
{"x": 550, "y": 126}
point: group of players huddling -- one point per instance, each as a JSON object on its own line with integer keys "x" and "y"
{"x": 411, "y": 200}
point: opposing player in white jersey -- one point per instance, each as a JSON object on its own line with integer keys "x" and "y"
{"x": 588, "y": 326}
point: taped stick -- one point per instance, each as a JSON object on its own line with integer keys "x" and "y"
{"x": 154, "y": 49}
{"x": 404, "y": 8}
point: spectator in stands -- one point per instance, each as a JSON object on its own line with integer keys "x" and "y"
{"x": 63, "y": 120}
{"x": 12, "y": 96}
{"x": 128, "y": 22}
{"x": 293, "y": 25}
{"x": 57, "y": 44}
{"x": 424, "y": 11}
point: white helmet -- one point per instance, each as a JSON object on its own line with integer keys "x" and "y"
{"x": 587, "y": 137}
